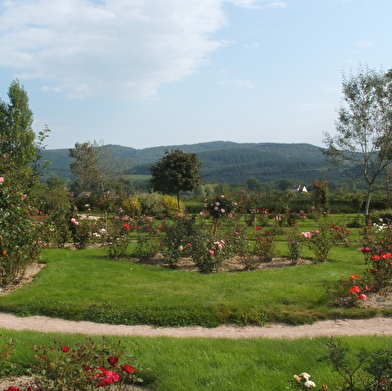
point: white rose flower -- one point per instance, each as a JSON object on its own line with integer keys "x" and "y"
{"x": 309, "y": 384}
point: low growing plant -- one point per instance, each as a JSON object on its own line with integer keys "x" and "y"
{"x": 87, "y": 366}
{"x": 363, "y": 371}
{"x": 294, "y": 242}
{"x": 6, "y": 350}
{"x": 265, "y": 245}
{"x": 207, "y": 252}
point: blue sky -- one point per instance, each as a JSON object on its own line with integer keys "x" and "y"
{"x": 144, "y": 73}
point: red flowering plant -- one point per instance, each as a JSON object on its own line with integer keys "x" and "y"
{"x": 148, "y": 238}
{"x": 117, "y": 237}
{"x": 265, "y": 245}
{"x": 351, "y": 291}
{"x": 377, "y": 248}
{"x": 87, "y": 366}
{"x": 6, "y": 350}
{"x": 340, "y": 235}
{"x": 240, "y": 247}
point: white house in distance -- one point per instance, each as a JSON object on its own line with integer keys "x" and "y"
{"x": 298, "y": 189}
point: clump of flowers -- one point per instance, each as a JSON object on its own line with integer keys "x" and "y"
{"x": 319, "y": 241}
{"x": 294, "y": 242}
{"x": 340, "y": 234}
{"x": 302, "y": 381}
{"x": 207, "y": 252}
{"x": 351, "y": 291}
{"x": 85, "y": 367}
{"x": 219, "y": 207}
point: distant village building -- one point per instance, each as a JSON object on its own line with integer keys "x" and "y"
{"x": 297, "y": 189}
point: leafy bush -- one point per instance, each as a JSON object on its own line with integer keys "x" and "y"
{"x": 265, "y": 245}
{"x": 365, "y": 371}
{"x": 85, "y": 367}
{"x": 6, "y": 351}
{"x": 19, "y": 235}
{"x": 177, "y": 234}
{"x": 294, "y": 242}
{"x": 207, "y": 252}
{"x": 319, "y": 241}
{"x": 132, "y": 207}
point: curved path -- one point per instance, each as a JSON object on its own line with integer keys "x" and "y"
{"x": 374, "y": 326}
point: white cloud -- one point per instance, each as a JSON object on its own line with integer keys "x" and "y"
{"x": 238, "y": 83}
{"x": 365, "y": 43}
{"x": 118, "y": 48}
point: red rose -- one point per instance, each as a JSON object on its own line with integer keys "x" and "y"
{"x": 65, "y": 349}
{"x": 127, "y": 368}
{"x": 13, "y": 388}
{"x": 354, "y": 289}
{"x": 361, "y": 297}
{"x": 113, "y": 361}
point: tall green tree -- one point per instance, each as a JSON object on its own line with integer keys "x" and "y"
{"x": 175, "y": 172}
{"x": 95, "y": 167}
{"x": 19, "y": 156}
{"x": 363, "y": 136}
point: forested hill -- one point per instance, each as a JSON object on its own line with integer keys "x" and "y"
{"x": 222, "y": 161}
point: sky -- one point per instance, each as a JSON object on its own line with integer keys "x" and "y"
{"x": 146, "y": 73}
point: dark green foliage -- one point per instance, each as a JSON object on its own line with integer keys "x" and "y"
{"x": 176, "y": 172}
{"x": 18, "y": 171}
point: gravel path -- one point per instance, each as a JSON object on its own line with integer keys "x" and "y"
{"x": 374, "y": 326}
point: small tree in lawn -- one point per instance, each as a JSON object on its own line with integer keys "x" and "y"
{"x": 19, "y": 171}
{"x": 176, "y": 171}
{"x": 364, "y": 126}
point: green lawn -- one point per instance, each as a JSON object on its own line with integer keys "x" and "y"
{"x": 197, "y": 364}
{"x": 85, "y": 285}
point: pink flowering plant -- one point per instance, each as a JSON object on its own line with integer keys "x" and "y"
{"x": 207, "y": 252}
{"x": 319, "y": 241}
{"x": 87, "y": 366}
{"x": 294, "y": 243}
{"x": 218, "y": 208}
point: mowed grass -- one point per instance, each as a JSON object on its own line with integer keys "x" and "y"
{"x": 85, "y": 285}
{"x": 197, "y": 364}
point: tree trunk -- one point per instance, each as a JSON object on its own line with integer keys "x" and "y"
{"x": 367, "y": 204}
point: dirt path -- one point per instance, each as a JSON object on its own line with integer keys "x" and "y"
{"x": 374, "y": 326}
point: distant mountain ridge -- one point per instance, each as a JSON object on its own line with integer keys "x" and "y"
{"x": 222, "y": 161}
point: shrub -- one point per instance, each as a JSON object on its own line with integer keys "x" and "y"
{"x": 349, "y": 292}
{"x": 170, "y": 206}
{"x": 177, "y": 234}
{"x": 217, "y": 208}
{"x": 85, "y": 367}
{"x": 207, "y": 252}
{"x": 265, "y": 245}
{"x": 132, "y": 207}
{"x": 364, "y": 371}
{"x": 294, "y": 243}
{"x": 19, "y": 235}
{"x": 6, "y": 351}
{"x": 241, "y": 248}
{"x": 56, "y": 227}
{"x": 116, "y": 238}
{"x": 319, "y": 241}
